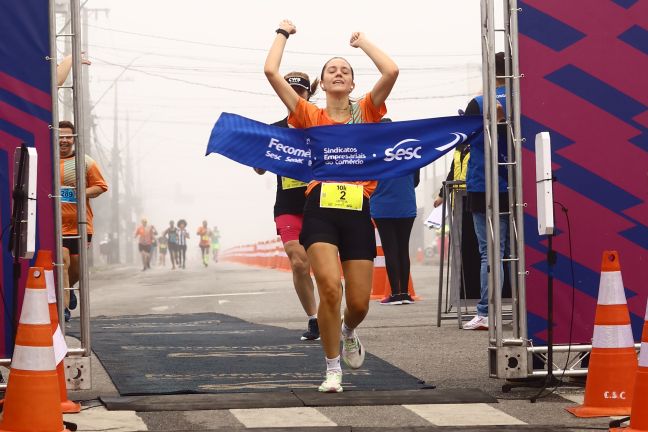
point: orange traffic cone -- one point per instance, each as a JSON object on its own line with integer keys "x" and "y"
{"x": 379, "y": 272}
{"x": 419, "y": 255}
{"x": 639, "y": 413}
{"x": 284, "y": 261}
{"x": 613, "y": 361}
{"x": 32, "y": 401}
{"x": 44, "y": 259}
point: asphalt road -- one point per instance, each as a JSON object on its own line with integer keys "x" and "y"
{"x": 405, "y": 336}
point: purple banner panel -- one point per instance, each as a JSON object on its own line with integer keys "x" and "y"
{"x": 581, "y": 61}
{"x": 25, "y": 116}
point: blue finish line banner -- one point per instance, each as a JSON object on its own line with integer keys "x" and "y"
{"x": 369, "y": 151}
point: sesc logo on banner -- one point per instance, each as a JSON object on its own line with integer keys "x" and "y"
{"x": 403, "y": 153}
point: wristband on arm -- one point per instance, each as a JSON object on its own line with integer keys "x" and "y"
{"x": 282, "y": 32}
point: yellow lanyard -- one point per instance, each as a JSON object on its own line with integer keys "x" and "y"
{"x": 341, "y": 196}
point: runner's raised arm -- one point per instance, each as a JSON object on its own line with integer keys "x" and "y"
{"x": 273, "y": 61}
{"x": 386, "y": 66}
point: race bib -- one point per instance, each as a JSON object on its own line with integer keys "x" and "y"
{"x": 68, "y": 195}
{"x": 341, "y": 196}
{"x": 288, "y": 183}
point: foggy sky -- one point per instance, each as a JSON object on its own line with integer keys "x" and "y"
{"x": 210, "y": 59}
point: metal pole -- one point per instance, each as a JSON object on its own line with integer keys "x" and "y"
{"x": 491, "y": 171}
{"x": 442, "y": 252}
{"x": 519, "y": 199}
{"x": 85, "y": 105}
{"x": 82, "y": 228}
{"x": 128, "y": 197}
{"x": 492, "y": 209}
{"x": 485, "y": 85}
{"x": 510, "y": 151}
{"x": 115, "y": 226}
{"x": 56, "y": 162}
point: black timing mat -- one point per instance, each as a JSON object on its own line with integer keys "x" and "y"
{"x": 215, "y": 353}
{"x": 297, "y": 398}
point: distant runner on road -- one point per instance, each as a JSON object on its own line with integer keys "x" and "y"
{"x": 183, "y": 236}
{"x": 204, "y": 242}
{"x": 215, "y": 244}
{"x": 145, "y": 234}
{"x": 171, "y": 234}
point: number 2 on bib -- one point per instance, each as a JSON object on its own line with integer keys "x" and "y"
{"x": 341, "y": 196}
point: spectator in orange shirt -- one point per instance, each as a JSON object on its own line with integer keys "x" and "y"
{"x": 336, "y": 214}
{"x": 95, "y": 186}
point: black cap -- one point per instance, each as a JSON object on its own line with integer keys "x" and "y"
{"x": 297, "y": 81}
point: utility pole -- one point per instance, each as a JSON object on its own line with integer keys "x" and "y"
{"x": 128, "y": 195}
{"x": 116, "y": 166}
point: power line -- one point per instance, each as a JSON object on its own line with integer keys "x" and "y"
{"x": 274, "y": 95}
{"x": 162, "y": 121}
{"x": 242, "y": 48}
{"x": 157, "y": 54}
{"x": 256, "y": 93}
{"x": 359, "y": 71}
{"x": 196, "y": 83}
{"x": 410, "y": 98}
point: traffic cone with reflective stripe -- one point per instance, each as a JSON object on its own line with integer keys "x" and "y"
{"x": 379, "y": 271}
{"x": 613, "y": 361}
{"x": 284, "y": 262}
{"x": 32, "y": 401}
{"x": 639, "y": 412}
{"x": 44, "y": 259}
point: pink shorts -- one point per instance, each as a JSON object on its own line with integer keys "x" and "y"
{"x": 289, "y": 226}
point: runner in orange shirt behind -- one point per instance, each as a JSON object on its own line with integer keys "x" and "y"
{"x": 95, "y": 186}
{"x": 146, "y": 234}
{"x": 204, "y": 242}
{"x": 336, "y": 215}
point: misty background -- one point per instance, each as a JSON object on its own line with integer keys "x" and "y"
{"x": 163, "y": 71}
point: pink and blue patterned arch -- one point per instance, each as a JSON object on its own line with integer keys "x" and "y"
{"x": 584, "y": 65}
{"x": 25, "y": 116}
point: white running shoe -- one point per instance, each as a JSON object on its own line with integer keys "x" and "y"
{"x": 332, "y": 383}
{"x": 353, "y": 352}
{"x": 477, "y": 323}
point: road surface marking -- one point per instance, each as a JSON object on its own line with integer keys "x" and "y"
{"x": 463, "y": 415}
{"x": 218, "y": 295}
{"x": 99, "y": 419}
{"x": 281, "y": 417}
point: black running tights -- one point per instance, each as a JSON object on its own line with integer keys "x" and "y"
{"x": 395, "y": 234}
{"x": 182, "y": 253}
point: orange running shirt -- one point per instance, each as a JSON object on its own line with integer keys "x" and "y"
{"x": 306, "y": 115}
{"x": 68, "y": 179}
{"x": 145, "y": 234}
{"x": 204, "y": 235}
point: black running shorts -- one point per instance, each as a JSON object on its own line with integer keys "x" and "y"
{"x": 350, "y": 230}
{"x": 72, "y": 244}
